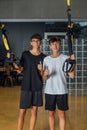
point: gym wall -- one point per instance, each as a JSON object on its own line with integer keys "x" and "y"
{"x": 41, "y": 9}
{"x": 24, "y": 17}
{"x": 19, "y": 33}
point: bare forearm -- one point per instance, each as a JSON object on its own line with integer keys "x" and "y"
{"x": 18, "y": 68}
{"x": 15, "y": 65}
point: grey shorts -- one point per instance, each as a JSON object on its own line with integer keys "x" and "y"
{"x": 52, "y": 100}
{"x": 29, "y": 99}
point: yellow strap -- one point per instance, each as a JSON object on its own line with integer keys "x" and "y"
{"x": 68, "y": 2}
{"x": 6, "y": 43}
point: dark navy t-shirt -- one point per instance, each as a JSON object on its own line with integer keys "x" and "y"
{"x": 32, "y": 79}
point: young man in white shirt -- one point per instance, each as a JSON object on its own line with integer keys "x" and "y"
{"x": 56, "y": 92}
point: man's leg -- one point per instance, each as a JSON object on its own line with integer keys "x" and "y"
{"x": 21, "y": 118}
{"x": 33, "y": 117}
{"x": 51, "y": 116}
{"x": 62, "y": 120}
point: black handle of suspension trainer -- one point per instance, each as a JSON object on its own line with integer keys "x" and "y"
{"x": 69, "y": 64}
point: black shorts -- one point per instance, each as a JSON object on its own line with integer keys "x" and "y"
{"x": 29, "y": 99}
{"x": 52, "y": 100}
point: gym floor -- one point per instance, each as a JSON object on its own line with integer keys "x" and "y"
{"x": 76, "y": 116}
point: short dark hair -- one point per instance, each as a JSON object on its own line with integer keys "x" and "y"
{"x": 36, "y": 36}
{"x": 54, "y": 39}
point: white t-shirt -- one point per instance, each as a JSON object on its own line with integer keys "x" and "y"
{"x": 56, "y": 82}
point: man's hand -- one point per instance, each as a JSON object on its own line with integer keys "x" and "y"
{"x": 40, "y": 67}
{"x": 8, "y": 55}
{"x": 72, "y": 57}
{"x": 72, "y": 73}
{"x": 46, "y": 71}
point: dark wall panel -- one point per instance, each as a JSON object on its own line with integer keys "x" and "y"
{"x": 19, "y": 34}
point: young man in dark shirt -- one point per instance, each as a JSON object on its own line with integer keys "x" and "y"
{"x": 31, "y": 90}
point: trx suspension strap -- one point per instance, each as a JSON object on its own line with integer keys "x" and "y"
{"x": 6, "y": 44}
{"x": 69, "y": 64}
{"x": 4, "y": 38}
